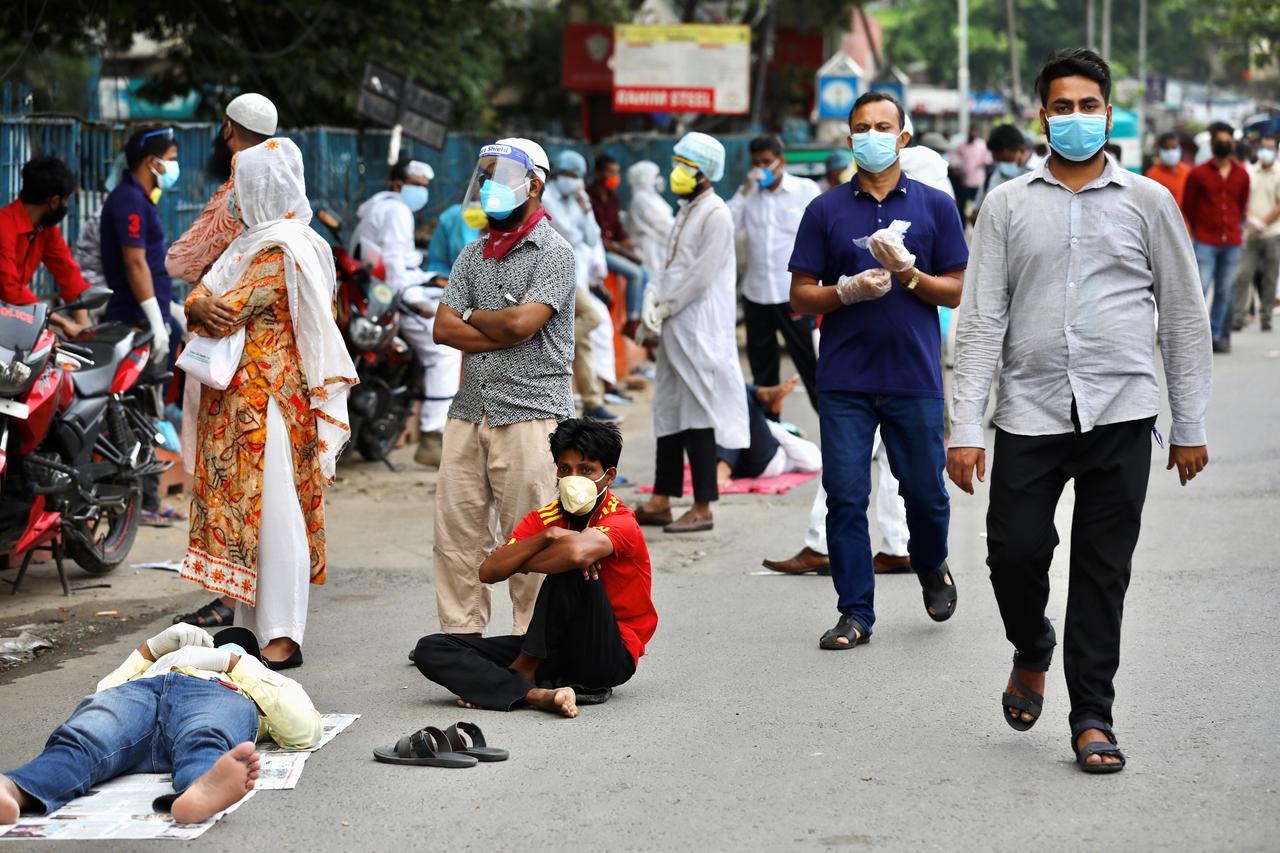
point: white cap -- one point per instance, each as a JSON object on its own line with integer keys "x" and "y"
{"x": 418, "y": 169}
{"x": 532, "y": 150}
{"x": 254, "y": 112}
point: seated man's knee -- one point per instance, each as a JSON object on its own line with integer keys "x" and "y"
{"x": 430, "y": 650}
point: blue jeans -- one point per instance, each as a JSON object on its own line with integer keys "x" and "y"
{"x": 637, "y": 279}
{"x": 1218, "y": 271}
{"x": 168, "y": 724}
{"x": 912, "y": 431}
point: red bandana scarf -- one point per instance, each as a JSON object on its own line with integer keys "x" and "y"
{"x": 498, "y": 243}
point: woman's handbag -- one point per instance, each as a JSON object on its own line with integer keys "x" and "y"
{"x": 213, "y": 361}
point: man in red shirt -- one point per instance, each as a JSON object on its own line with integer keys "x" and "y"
{"x": 1214, "y": 204}
{"x": 1169, "y": 170}
{"x": 594, "y": 613}
{"x": 29, "y": 236}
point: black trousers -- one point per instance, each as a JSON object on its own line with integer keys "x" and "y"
{"x": 763, "y": 323}
{"x": 751, "y": 461}
{"x": 1110, "y": 465}
{"x": 573, "y": 632}
{"x": 668, "y": 475}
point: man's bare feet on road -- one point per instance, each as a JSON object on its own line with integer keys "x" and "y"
{"x": 562, "y": 700}
{"x": 463, "y": 703}
{"x": 223, "y": 785}
{"x": 12, "y": 801}
{"x": 771, "y": 398}
{"x": 1089, "y": 736}
{"x": 1034, "y": 681}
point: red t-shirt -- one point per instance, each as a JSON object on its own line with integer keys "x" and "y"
{"x": 23, "y": 247}
{"x": 1215, "y": 206}
{"x": 625, "y": 573}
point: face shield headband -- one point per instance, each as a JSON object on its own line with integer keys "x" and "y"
{"x": 501, "y": 181}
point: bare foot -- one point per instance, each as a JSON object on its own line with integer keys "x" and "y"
{"x": 11, "y": 801}
{"x": 560, "y": 701}
{"x": 724, "y": 474}
{"x": 223, "y": 785}
{"x": 1033, "y": 680}
{"x": 1095, "y": 736}
{"x": 463, "y": 703}
{"x": 771, "y": 398}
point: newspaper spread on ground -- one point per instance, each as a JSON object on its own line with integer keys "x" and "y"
{"x": 122, "y": 807}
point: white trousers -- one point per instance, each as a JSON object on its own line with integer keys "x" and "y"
{"x": 601, "y": 337}
{"x": 284, "y": 559}
{"x": 794, "y": 454}
{"x": 891, "y": 512}
{"x": 441, "y": 370}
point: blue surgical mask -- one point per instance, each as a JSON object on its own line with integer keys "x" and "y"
{"x": 498, "y": 200}
{"x": 874, "y": 151}
{"x": 1170, "y": 157}
{"x": 767, "y": 177}
{"x": 415, "y": 196}
{"x": 235, "y": 649}
{"x": 167, "y": 179}
{"x": 1078, "y": 136}
{"x": 568, "y": 186}
{"x": 1009, "y": 171}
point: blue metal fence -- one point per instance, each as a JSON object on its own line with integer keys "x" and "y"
{"x": 343, "y": 166}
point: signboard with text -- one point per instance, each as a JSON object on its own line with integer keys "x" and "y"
{"x": 682, "y": 68}
{"x": 393, "y": 99}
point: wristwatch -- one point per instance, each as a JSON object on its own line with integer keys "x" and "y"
{"x": 911, "y": 285}
{"x": 466, "y": 315}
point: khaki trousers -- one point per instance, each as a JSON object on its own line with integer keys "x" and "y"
{"x": 490, "y": 478}
{"x": 584, "y": 373}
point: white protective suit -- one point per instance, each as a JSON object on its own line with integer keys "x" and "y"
{"x": 385, "y": 232}
{"x": 649, "y": 217}
{"x": 580, "y": 228}
{"x": 699, "y": 379}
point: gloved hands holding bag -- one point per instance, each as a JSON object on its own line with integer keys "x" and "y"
{"x": 887, "y": 247}
{"x": 865, "y": 286}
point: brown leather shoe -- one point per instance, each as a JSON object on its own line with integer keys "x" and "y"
{"x": 808, "y": 560}
{"x": 887, "y": 564}
{"x": 653, "y": 519}
{"x": 689, "y": 524}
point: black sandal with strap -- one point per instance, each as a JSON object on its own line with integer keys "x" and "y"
{"x": 1096, "y": 748}
{"x": 427, "y": 747}
{"x": 213, "y": 615}
{"x": 467, "y": 739}
{"x": 939, "y": 593}
{"x": 1030, "y": 702}
{"x": 849, "y": 628}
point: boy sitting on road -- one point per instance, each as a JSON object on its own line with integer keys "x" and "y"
{"x": 594, "y": 613}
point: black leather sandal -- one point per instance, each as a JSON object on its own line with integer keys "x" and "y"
{"x": 939, "y": 595}
{"x": 849, "y": 628}
{"x": 215, "y": 614}
{"x": 1030, "y": 702}
{"x": 1096, "y": 748}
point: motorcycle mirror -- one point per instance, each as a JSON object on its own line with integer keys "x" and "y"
{"x": 90, "y": 300}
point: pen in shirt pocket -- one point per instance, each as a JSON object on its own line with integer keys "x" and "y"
{"x": 1159, "y": 437}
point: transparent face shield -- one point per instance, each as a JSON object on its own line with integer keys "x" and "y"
{"x": 500, "y": 183}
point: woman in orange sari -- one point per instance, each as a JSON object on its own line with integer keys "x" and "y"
{"x": 267, "y": 444}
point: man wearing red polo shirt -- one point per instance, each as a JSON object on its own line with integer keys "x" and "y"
{"x": 594, "y": 613}
{"x": 29, "y": 236}
{"x": 1214, "y": 204}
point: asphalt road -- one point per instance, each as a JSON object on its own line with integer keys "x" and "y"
{"x": 738, "y": 733}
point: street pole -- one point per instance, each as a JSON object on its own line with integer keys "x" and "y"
{"x": 1142, "y": 74}
{"x": 1089, "y": 41}
{"x": 962, "y": 72}
{"x": 1015, "y": 81}
{"x": 1106, "y": 30}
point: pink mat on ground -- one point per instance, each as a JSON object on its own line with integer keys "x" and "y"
{"x": 778, "y": 485}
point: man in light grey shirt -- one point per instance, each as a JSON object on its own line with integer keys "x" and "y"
{"x": 1070, "y": 266}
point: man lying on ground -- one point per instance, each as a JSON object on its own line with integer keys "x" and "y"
{"x": 593, "y": 615}
{"x": 183, "y": 703}
{"x": 774, "y": 450}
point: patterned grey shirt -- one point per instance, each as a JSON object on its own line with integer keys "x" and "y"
{"x": 1066, "y": 287}
{"x": 531, "y": 380}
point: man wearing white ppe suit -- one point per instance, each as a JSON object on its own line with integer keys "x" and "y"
{"x": 691, "y": 306}
{"x": 385, "y": 233}
{"x": 649, "y": 217}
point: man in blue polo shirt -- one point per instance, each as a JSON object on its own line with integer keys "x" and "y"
{"x": 879, "y": 363}
{"x": 133, "y": 244}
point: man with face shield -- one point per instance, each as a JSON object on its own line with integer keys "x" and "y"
{"x": 29, "y": 236}
{"x": 509, "y": 309}
{"x": 594, "y": 614}
{"x": 879, "y": 288}
{"x": 384, "y": 232}
{"x": 691, "y": 308}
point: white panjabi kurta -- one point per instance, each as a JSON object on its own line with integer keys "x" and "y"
{"x": 699, "y": 379}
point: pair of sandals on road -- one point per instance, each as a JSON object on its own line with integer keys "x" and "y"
{"x": 1028, "y": 701}
{"x": 939, "y": 602}
{"x": 460, "y": 745}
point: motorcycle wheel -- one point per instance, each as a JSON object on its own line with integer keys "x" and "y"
{"x": 379, "y": 437}
{"x": 113, "y": 535}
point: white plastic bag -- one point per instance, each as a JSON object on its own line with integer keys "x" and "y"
{"x": 213, "y": 361}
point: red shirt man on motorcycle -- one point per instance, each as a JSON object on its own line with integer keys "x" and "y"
{"x": 29, "y": 236}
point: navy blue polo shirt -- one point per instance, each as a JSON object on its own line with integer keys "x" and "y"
{"x": 891, "y": 345}
{"x": 130, "y": 219}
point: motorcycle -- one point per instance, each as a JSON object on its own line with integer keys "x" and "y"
{"x": 76, "y": 434}
{"x": 369, "y": 316}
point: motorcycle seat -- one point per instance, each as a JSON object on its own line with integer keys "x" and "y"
{"x": 110, "y": 343}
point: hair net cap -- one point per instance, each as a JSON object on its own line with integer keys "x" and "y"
{"x": 704, "y": 150}
{"x": 839, "y": 160}
{"x": 418, "y": 169}
{"x": 532, "y": 150}
{"x": 254, "y": 112}
{"x": 571, "y": 161}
